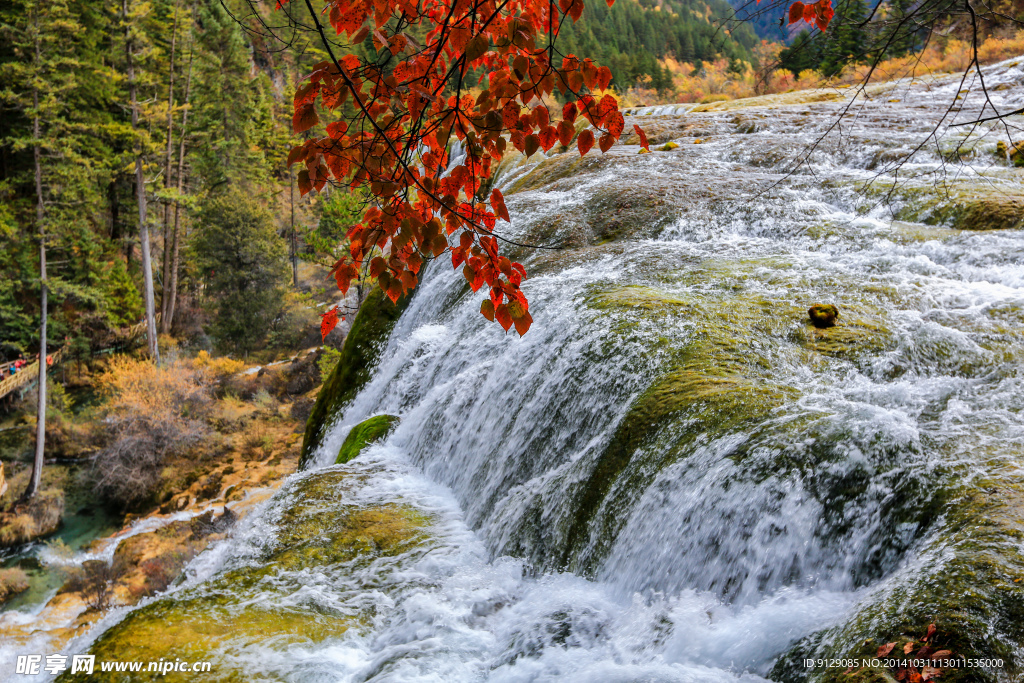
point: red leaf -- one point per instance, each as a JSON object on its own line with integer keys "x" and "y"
{"x": 608, "y": 105}
{"x": 458, "y": 256}
{"x": 884, "y": 650}
{"x": 487, "y": 309}
{"x": 615, "y": 124}
{"x": 548, "y": 137}
{"x": 328, "y": 321}
{"x": 796, "y": 12}
{"x": 394, "y": 290}
{"x": 377, "y": 266}
{"x": 336, "y": 129}
{"x": 585, "y": 142}
{"x": 643, "y": 137}
{"x": 930, "y": 672}
{"x": 304, "y": 118}
{"x": 523, "y": 323}
{"x": 569, "y": 112}
{"x": 541, "y": 116}
{"x": 930, "y": 633}
{"x": 510, "y": 115}
{"x": 498, "y": 204}
{"x": 565, "y": 133}
{"x": 823, "y": 13}
{"x": 305, "y": 185}
{"x": 606, "y": 142}
{"x": 532, "y": 144}
{"x": 502, "y": 315}
{"x": 361, "y": 36}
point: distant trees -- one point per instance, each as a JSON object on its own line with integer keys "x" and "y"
{"x": 845, "y": 43}
{"x": 242, "y": 261}
{"x": 858, "y": 35}
{"x": 631, "y": 37}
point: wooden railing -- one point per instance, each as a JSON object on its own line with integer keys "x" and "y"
{"x": 28, "y": 374}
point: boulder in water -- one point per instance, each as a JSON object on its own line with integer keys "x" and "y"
{"x": 363, "y": 434}
{"x": 669, "y": 146}
{"x": 823, "y": 315}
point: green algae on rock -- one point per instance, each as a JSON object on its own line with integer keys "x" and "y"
{"x": 243, "y": 613}
{"x": 971, "y": 205}
{"x": 363, "y": 434}
{"x": 359, "y": 356}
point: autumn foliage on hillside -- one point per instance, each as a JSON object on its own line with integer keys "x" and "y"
{"x": 392, "y": 118}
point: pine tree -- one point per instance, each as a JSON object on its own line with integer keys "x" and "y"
{"x": 36, "y": 86}
{"x": 130, "y": 45}
{"x": 846, "y": 39}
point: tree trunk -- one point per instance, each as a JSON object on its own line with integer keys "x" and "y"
{"x": 37, "y": 463}
{"x": 165, "y": 325}
{"x": 175, "y": 263}
{"x": 294, "y": 239}
{"x": 140, "y": 192}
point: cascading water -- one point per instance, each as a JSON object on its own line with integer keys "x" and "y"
{"x": 672, "y": 477}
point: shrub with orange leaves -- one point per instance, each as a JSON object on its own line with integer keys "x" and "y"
{"x": 150, "y": 413}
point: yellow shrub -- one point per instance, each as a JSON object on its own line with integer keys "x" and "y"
{"x": 221, "y": 366}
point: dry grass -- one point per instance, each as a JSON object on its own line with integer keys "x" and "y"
{"x": 39, "y": 517}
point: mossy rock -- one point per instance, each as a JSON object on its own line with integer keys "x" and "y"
{"x": 968, "y": 581}
{"x": 246, "y": 610}
{"x": 715, "y": 382}
{"x": 993, "y": 212}
{"x": 552, "y": 169}
{"x": 363, "y": 434}
{"x": 855, "y": 336}
{"x": 636, "y": 296}
{"x": 823, "y": 315}
{"x": 359, "y": 355}
{"x": 669, "y": 146}
{"x": 961, "y": 206}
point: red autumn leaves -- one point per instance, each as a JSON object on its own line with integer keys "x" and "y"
{"x": 910, "y": 666}
{"x": 328, "y": 321}
{"x": 819, "y": 13}
{"x": 395, "y": 115}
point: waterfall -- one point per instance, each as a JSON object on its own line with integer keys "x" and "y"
{"x": 672, "y": 476}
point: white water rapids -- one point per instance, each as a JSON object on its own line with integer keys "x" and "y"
{"x": 713, "y": 549}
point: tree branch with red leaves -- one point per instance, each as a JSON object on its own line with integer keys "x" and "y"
{"x": 406, "y": 107}
{"x": 394, "y": 142}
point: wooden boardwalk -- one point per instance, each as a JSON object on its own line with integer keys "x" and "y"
{"x": 125, "y": 336}
{"x": 26, "y": 376}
